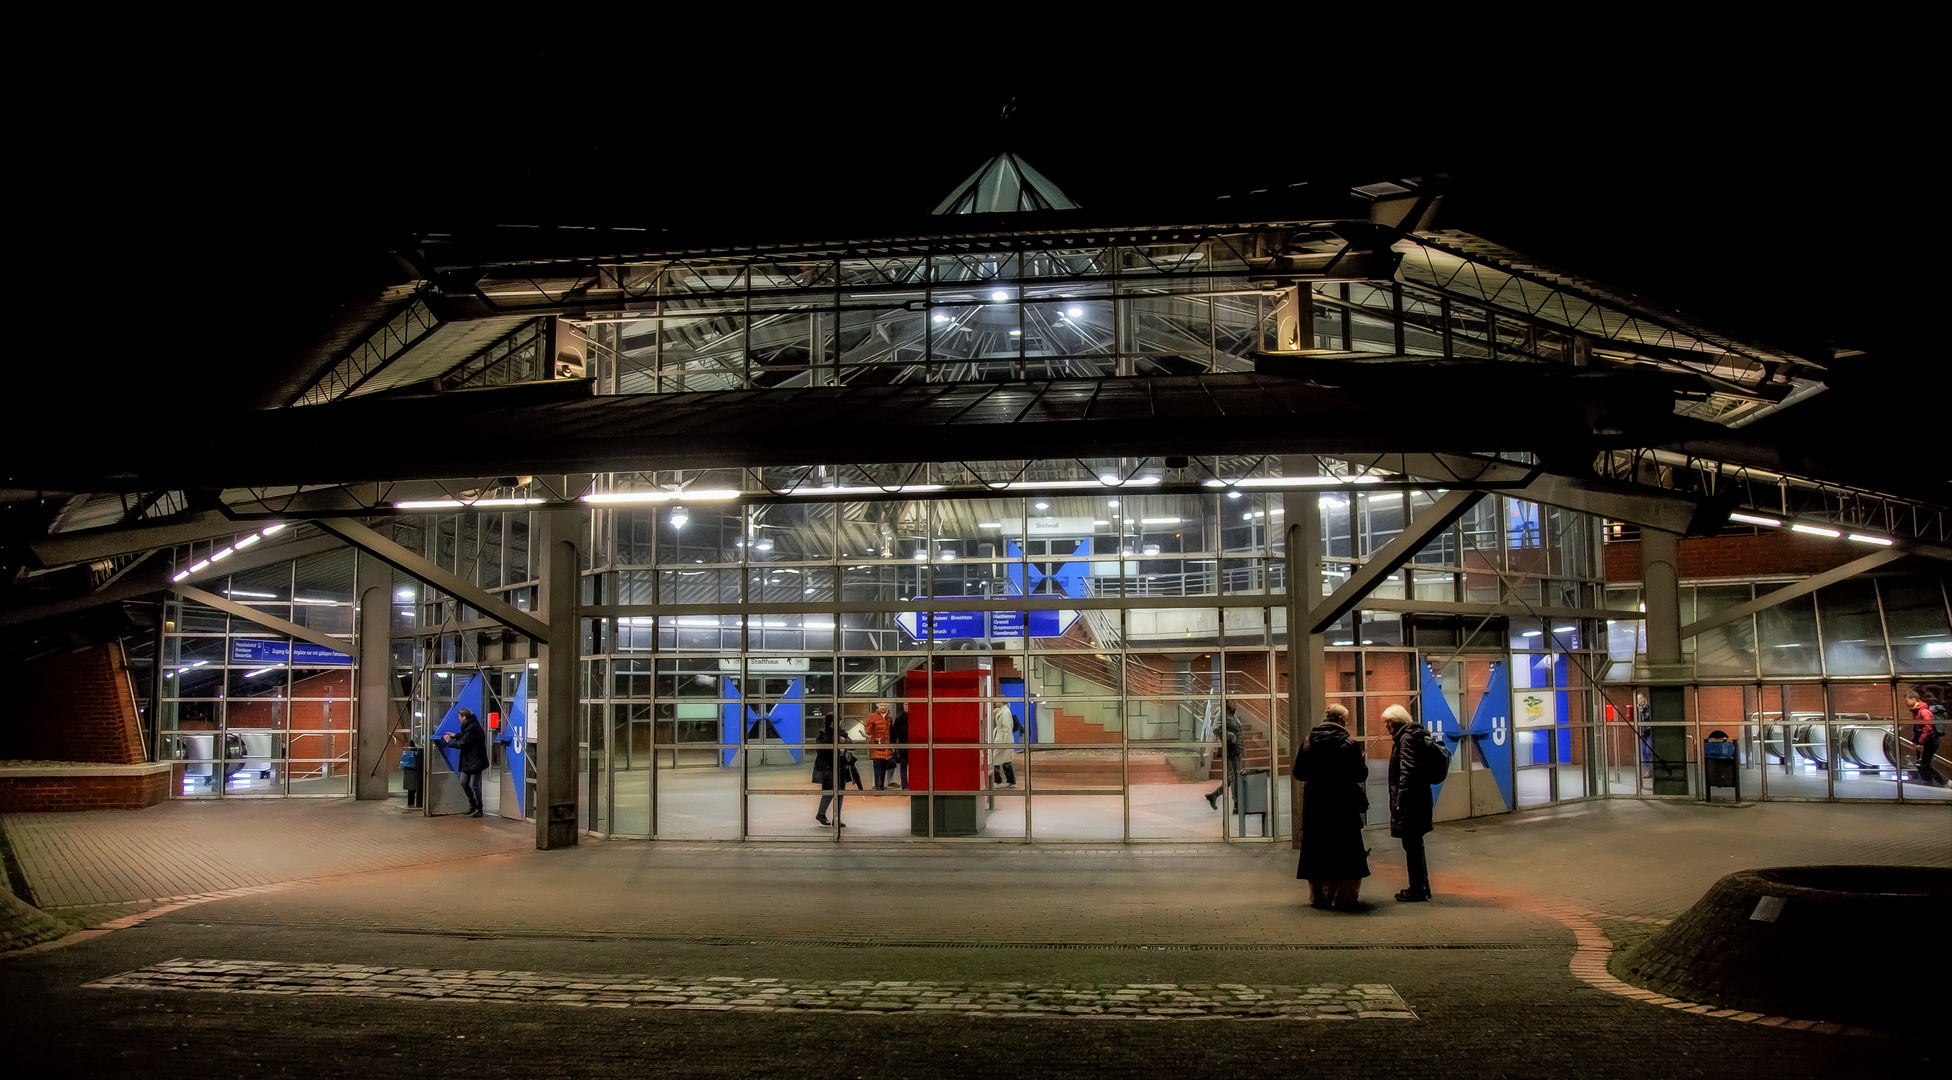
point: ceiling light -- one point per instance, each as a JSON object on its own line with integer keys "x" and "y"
{"x": 1814, "y": 530}
{"x": 1074, "y": 312}
{"x": 999, "y": 296}
{"x": 1881, "y": 541}
{"x": 248, "y": 541}
{"x": 269, "y": 529}
{"x": 989, "y": 524}
{"x": 624, "y": 498}
{"x": 1756, "y": 519}
{"x": 1159, "y": 521}
{"x": 679, "y": 517}
{"x": 1296, "y": 481}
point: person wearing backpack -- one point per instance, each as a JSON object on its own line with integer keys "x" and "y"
{"x": 410, "y": 773}
{"x": 1414, "y": 757}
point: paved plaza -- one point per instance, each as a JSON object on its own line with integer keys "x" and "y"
{"x": 331, "y": 937}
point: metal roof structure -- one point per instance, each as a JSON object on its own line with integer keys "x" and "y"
{"x": 737, "y": 345}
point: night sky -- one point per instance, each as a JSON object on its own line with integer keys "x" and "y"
{"x": 1769, "y": 192}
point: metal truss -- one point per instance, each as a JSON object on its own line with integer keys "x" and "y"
{"x": 1791, "y": 497}
{"x": 409, "y": 326}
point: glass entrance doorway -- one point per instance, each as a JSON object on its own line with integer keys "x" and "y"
{"x": 1467, "y": 699}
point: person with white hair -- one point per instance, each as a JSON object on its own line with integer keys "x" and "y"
{"x": 1410, "y": 757}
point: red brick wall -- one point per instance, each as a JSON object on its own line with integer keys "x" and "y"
{"x": 75, "y": 706}
{"x": 1763, "y": 553}
{"x": 42, "y": 794}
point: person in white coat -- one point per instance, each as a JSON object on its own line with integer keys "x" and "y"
{"x": 1003, "y": 770}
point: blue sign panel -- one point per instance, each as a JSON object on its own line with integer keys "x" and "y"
{"x": 295, "y": 653}
{"x": 787, "y": 719}
{"x": 515, "y": 737}
{"x": 1493, "y": 720}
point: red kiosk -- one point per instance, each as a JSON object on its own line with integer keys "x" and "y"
{"x": 955, "y": 763}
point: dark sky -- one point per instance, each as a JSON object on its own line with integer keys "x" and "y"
{"x": 1758, "y": 193}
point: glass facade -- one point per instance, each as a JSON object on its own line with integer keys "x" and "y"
{"x": 1810, "y": 691}
{"x": 1067, "y": 659}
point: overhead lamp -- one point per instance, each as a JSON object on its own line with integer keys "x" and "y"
{"x": 1074, "y": 312}
{"x": 1296, "y": 481}
{"x": 224, "y": 554}
{"x": 1865, "y": 538}
{"x": 248, "y": 541}
{"x": 269, "y": 529}
{"x": 989, "y": 524}
{"x": 939, "y": 317}
{"x": 678, "y": 517}
{"x": 625, "y": 498}
{"x": 405, "y": 594}
{"x": 1233, "y": 494}
{"x": 1816, "y": 530}
{"x": 1111, "y": 502}
{"x": 999, "y": 296}
{"x": 921, "y": 554}
{"x": 1159, "y": 521}
{"x": 1043, "y": 506}
{"x": 947, "y": 555}
{"x": 1756, "y": 519}
{"x": 1059, "y": 485}
{"x": 442, "y": 504}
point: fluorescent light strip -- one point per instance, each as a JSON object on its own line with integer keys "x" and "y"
{"x": 1159, "y": 521}
{"x": 626, "y": 498}
{"x": 249, "y": 540}
{"x": 1296, "y": 481}
{"x": 1073, "y": 485}
{"x": 1755, "y": 519}
{"x": 436, "y": 504}
{"x": 1797, "y": 526}
{"x": 1880, "y": 541}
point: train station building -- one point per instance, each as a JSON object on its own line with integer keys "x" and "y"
{"x": 1069, "y": 489}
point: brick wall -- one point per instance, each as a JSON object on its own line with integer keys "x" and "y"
{"x": 1759, "y": 554}
{"x": 75, "y": 706}
{"x": 43, "y": 790}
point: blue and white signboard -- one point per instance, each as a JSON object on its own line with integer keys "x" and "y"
{"x": 263, "y": 651}
{"x": 514, "y": 736}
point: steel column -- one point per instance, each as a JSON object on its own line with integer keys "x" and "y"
{"x": 558, "y": 690}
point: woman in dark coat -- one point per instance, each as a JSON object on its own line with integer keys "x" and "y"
{"x": 831, "y": 776}
{"x": 1332, "y": 769}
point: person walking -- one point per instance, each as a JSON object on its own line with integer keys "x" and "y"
{"x": 1410, "y": 754}
{"x": 410, "y": 772}
{"x": 830, "y": 772}
{"x": 472, "y": 742}
{"x": 1332, "y": 769}
{"x": 1232, "y": 726}
{"x": 1003, "y": 771}
{"x": 880, "y": 733}
{"x": 1926, "y": 731}
{"x": 898, "y": 732}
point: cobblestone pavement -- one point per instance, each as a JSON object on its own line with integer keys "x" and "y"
{"x": 1107, "y": 1001}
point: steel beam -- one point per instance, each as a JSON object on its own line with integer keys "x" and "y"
{"x": 1790, "y": 592}
{"x": 156, "y": 579}
{"x": 373, "y": 686}
{"x": 1457, "y": 607}
{"x": 269, "y": 622}
{"x": 1439, "y": 516}
{"x": 1649, "y": 508}
{"x": 365, "y": 539}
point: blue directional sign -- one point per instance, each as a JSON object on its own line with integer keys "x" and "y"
{"x": 274, "y": 651}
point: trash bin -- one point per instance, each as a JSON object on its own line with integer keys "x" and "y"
{"x": 1718, "y": 761}
{"x": 1250, "y": 795}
